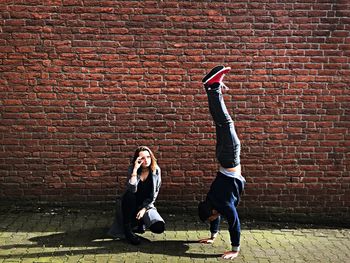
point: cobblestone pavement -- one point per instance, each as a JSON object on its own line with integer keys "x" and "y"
{"x": 79, "y": 236}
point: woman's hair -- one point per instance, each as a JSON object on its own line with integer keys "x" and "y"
{"x": 139, "y": 149}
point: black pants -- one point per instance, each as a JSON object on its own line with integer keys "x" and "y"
{"x": 228, "y": 146}
{"x": 130, "y": 208}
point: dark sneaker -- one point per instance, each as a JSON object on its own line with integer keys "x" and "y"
{"x": 130, "y": 236}
{"x": 216, "y": 75}
{"x": 140, "y": 229}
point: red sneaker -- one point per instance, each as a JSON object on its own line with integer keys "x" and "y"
{"x": 216, "y": 75}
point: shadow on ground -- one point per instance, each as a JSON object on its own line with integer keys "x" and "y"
{"x": 94, "y": 241}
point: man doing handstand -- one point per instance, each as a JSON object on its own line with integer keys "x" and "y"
{"x": 224, "y": 194}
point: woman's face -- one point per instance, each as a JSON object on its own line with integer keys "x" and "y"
{"x": 146, "y": 159}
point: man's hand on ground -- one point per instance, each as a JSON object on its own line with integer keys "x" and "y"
{"x": 230, "y": 255}
{"x": 206, "y": 241}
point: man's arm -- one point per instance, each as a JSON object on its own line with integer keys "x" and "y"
{"x": 214, "y": 230}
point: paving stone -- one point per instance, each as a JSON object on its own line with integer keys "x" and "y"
{"x": 66, "y": 236}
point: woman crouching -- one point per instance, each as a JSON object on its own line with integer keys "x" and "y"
{"x": 137, "y": 211}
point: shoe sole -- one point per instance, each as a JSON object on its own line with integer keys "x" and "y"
{"x": 227, "y": 69}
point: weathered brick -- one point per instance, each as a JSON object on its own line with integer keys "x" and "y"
{"x": 82, "y": 85}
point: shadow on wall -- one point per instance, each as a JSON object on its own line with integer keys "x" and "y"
{"x": 94, "y": 241}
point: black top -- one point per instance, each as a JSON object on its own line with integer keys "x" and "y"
{"x": 144, "y": 190}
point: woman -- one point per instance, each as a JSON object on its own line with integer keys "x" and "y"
{"x": 137, "y": 203}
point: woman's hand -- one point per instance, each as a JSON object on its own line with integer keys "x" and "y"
{"x": 141, "y": 213}
{"x": 138, "y": 163}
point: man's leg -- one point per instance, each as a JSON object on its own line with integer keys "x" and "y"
{"x": 227, "y": 143}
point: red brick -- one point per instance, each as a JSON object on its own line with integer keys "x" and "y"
{"x": 81, "y": 91}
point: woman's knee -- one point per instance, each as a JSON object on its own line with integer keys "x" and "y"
{"x": 157, "y": 227}
{"x": 128, "y": 200}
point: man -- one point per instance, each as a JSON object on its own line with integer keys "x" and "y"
{"x": 224, "y": 194}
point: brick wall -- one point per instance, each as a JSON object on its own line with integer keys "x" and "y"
{"x": 84, "y": 82}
